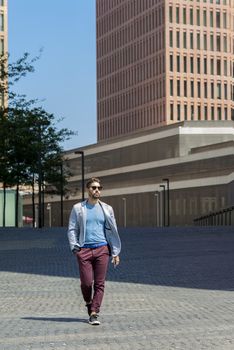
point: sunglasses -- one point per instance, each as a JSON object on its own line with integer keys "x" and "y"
{"x": 96, "y": 188}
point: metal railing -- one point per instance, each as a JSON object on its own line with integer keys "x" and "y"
{"x": 222, "y": 217}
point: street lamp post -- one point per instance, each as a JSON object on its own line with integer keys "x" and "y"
{"x": 164, "y": 204}
{"x": 82, "y": 172}
{"x": 168, "y": 202}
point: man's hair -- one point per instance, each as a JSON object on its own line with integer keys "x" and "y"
{"x": 90, "y": 181}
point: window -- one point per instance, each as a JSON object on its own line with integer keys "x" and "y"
{"x": 219, "y": 91}
{"x": 185, "y": 112}
{"x": 198, "y": 17}
{"x": 1, "y": 47}
{"x": 191, "y": 16}
{"x": 171, "y": 63}
{"x": 185, "y": 88}
{"x": 225, "y": 67}
{"x": 204, "y": 18}
{"x": 211, "y": 19}
{"x": 225, "y": 113}
{"x": 211, "y": 42}
{"x": 218, "y": 19}
{"x": 191, "y": 65}
{"x": 171, "y": 111}
{"x": 198, "y": 65}
{"x": 192, "y": 112}
{"x": 185, "y": 64}
{"x": 212, "y": 112}
{"x": 178, "y": 112}
{"x": 184, "y": 40}
{"x": 171, "y": 38}
{"x": 191, "y": 40}
{"x": 177, "y": 15}
{"x": 225, "y": 43}
{"x": 218, "y": 67}
{"x": 205, "y": 113}
{"x": 218, "y": 43}
{"x": 184, "y": 15}
{"x": 192, "y": 88}
{"x": 225, "y": 20}
{"x": 225, "y": 92}
{"x": 212, "y": 90}
{"x": 177, "y": 39}
{"x": 205, "y": 89}
{"x": 178, "y": 88}
{"x": 198, "y": 41}
{"x": 1, "y": 22}
{"x": 219, "y": 113}
{"x": 171, "y": 87}
{"x": 199, "y": 89}
{"x": 199, "y": 112}
{"x": 205, "y": 65}
{"x": 178, "y": 63}
{"x": 212, "y": 66}
{"x": 205, "y": 41}
{"x": 170, "y": 14}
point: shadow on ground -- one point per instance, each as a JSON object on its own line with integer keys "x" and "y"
{"x": 190, "y": 257}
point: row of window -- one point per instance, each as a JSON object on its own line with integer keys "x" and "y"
{"x": 182, "y": 112}
{"x": 153, "y": 18}
{"x": 199, "y": 89}
{"x": 184, "y": 15}
{"x": 198, "y": 65}
{"x": 200, "y": 41}
{"x": 127, "y": 56}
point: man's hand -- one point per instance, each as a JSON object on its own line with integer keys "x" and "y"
{"x": 115, "y": 260}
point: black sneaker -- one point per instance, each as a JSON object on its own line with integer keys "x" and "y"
{"x": 89, "y": 308}
{"x": 93, "y": 320}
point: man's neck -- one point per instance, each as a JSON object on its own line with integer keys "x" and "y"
{"x": 92, "y": 201}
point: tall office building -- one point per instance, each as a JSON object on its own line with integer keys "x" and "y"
{"x": 162, "y": 62}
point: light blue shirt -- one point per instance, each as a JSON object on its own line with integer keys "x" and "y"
{"x": 95, "y": 224}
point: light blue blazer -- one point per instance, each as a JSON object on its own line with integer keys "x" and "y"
{"x": 77, "y": 227}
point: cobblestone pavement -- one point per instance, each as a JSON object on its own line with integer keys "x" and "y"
{"x": 173, "y": 290}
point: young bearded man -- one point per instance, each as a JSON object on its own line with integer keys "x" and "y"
{"x": 93, "y": 237}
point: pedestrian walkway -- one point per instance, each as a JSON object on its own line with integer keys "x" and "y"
{"x": 173, "y": 290}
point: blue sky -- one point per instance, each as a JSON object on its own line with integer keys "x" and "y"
{"x": 65, "y": 76}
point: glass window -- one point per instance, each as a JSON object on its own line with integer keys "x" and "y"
{"x": 205, "y": 89}
{"x": 199, "y": 89}
{"x": 198, "y": 17}
{"x": 184, "y": 15}
{"x": 171, "y": 87}
{"x": 205, "y": 41}
{"x": 185, "y": 88}
{"x": 1, "y": 22}
{"x": 170, "y": 14}
{"x": 177, "y": 15}
{"x": 198, "y": 65}
{"x": 191, "y": 40}
{"x": 211, "y": 19}
{"x": 225, "y": 113}
{"x": 178, "y": 112}
{"x": 185, "y": 64}
{"x": 225, "y": 92}
{"x": 212, "y": 90}
{"x": 199, "y": 112}
{"x": 218, "y": 67}
{"x": 191, "y": 65}
{"x": 171, "y": 62}
{"x": 225, "y": 43}
{"x": 192, "y": 88}
{"x": 184, "y": 40}
{"x": 218, "y": 19}
{"x": 177, "y": 39}
{"x": 205, "y": 113}
{"x": 2, "y": 47}
{"x": 171, "y": 38}
{"x": 225, "y": 20}
{"x": 205, "y": 65}
{"x": 178, "y": 63}
{"x": 192, "y": 112}
{"x": 198, "y": 41}
{"x": 191, "y": 16}
{"x": 171, "y": 111}
{"x": 204, "y": 18}
{"x": 218, "y": 43}
{"x": 212, "y": 66}
{"x": 185, "y": 112}
{"x": 212, "y": 112}
{"x": 219, "y": 113}
{"x": 211, "y": 42}
{"x": 219, "y": 90}
{"x": 225, "y": 67}
{"x": 178, "y": 88}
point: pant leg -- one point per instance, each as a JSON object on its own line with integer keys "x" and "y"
{"x": 100, "y": 264}
{"x": 85, "y": 261}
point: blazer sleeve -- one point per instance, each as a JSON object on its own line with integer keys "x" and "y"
{"x": 73, "y": 229}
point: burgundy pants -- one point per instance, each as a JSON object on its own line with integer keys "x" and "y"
{"x": 93, "y": 265}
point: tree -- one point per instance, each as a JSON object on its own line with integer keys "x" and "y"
{"x": 30, "y": 145}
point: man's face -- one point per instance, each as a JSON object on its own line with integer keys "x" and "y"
{"x": 94, "y": 190}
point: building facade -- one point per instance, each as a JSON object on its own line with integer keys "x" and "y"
{"x": 3, "y": 38}
{"x": 162, "y": 62}
{"x": 196, "y": 157}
